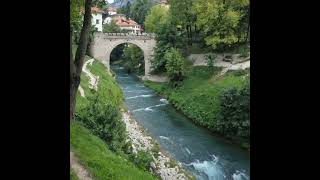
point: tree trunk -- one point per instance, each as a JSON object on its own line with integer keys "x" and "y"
{"x": 248, "y": 31}
{"x": 190, "y": 29}
{"x": 72, "y": 72}
{"x": 76, "y": 65}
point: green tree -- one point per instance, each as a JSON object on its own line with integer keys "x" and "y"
{"x": 126, "y": 10}
{"x": 111, "y": 28}
{"x": 174, "y": 66}
{"x": 104, "y": 120}
{"x": 234, "y": 116}
{"x": 183, "y": 16}
{"x": 220, "y": 20}
{"x": 76, "y": 63}
{"x": 139, "y": 10}
{"x": 167, "y": 36}
{"x": 243, "y": 30}
{"x": 134, "y": 59}
{"x": 157, "y": 15}
{"x": 210, "y": 60}
{"x": 75, "y": 15}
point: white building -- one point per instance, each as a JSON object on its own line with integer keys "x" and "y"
{"x": 107, "y": 20}
{"x": 97, "y": 18}
{"x": 112, "y": 10}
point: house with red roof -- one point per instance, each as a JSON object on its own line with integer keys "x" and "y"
{"x": 125, "y": 24}
{"x": 128, "y": 25}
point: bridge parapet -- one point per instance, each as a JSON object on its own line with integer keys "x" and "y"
{"x": 143, "y": 36}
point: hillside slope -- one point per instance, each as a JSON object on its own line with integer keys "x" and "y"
{"x": 91, "y": 151}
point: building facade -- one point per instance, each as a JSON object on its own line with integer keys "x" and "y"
{"x": 97, "y": 20}
{"x": 127, "y": 24}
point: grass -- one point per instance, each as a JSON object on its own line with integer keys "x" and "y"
{"x": 99, "y": 160}
{"x": 91, "y": 151}
{"x": 73, "y": 175}
{"x": 198, "y": 96}
{"x": 107, "y": 86}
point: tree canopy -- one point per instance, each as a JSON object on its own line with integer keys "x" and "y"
{"x": 111, "y": 28}
{"x": 222, "y": 21}
{"x": 157, "y": 15}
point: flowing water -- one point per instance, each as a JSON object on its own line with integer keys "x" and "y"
{"x": 207, "y": 156}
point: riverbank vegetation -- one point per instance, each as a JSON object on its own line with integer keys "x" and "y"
{"x": 98, "y": 135}
{"x": 100, "y": 161}
{"x": 213, "y": 100}
{"x": 220, "y": 103}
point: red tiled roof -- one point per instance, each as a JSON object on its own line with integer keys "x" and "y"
{"x": 96, "y": 10}
{"x": 125, "y": 22}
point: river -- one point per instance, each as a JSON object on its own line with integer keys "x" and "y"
{"x": 207, "y": 156}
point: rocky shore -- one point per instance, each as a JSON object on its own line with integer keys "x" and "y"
{"x": 162, "y": 165}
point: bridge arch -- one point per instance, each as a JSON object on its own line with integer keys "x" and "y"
{"x": 104, "y": 43}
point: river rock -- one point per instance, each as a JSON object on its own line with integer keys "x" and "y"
{"x": 153, "y": 166}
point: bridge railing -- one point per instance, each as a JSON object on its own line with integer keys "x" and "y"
{"x": 123, "y": 35}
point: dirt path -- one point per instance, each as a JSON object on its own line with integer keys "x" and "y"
{"x": 156, "y": 78}
{"x": 81, "y": 91}
{"x": 93, "y": 82}
{"x": 199, "y": 60}
{"x": 80, "y": 171}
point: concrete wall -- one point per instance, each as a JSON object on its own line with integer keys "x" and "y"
{"x": 103, "y": 45}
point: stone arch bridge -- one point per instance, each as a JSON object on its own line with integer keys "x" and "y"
{"x": 104, "y": 43}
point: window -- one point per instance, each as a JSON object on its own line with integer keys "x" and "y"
{"x": 97, "y": 21}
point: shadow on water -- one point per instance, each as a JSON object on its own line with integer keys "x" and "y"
{"x": 207, "y": 156}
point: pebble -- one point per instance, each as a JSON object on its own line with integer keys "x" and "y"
{"x": 141, "y": 142}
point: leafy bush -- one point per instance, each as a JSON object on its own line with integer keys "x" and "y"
{"x": 174, "y": 66}
{"x": 210, "y": 60}
{"x": 111, "y": 28}
{"x": 104, "y": 120}
{"x": 244, "y": 51}
{"x": 234, "y": 117}
{"x": 142, "y": 159}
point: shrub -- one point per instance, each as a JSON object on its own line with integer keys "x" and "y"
{"x": 174, "y": 66}
{"x": 234, "y": 117}
{"x": 244, "y": 51}
{"x": 142, "y": 159}
{"x": 111, "y": 28}
{"x": 210, "y": 60}
{"x": 104, "y": 120}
